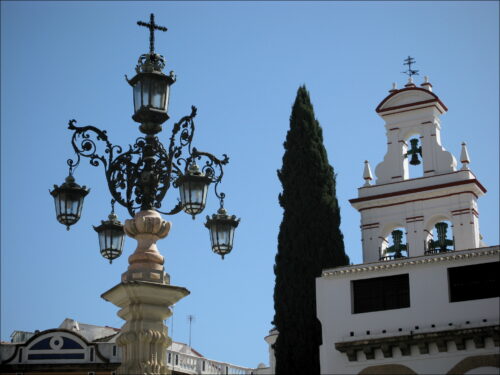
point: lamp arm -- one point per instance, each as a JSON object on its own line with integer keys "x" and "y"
{"x": 212, "y": 169}
{"x": 85, "y": 146}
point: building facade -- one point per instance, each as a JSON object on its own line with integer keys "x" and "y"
{"x": 425, "y": 300}
{"x": 86, "y": 349}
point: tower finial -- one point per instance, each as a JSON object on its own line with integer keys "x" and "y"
{"x": 367, "y": 174}
{"x": 410, "y": 72}
{"x": 464, "y": 157}
{"x": 152, "y": 26}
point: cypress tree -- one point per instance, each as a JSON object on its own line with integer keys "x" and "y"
{"x": 309, "y": 240}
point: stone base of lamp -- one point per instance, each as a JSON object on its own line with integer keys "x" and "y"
{"x": 146, "y": 263}
{"x": 145, "y": 296}
{"x": 144, "y": 338}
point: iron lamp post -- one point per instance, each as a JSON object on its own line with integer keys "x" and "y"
{"x": 139, "y": 177}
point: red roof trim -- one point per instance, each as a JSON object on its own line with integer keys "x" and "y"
{"x": 425, "y": 188}
{"x": 418, "y": 200}
{"x": 436, "y": 99}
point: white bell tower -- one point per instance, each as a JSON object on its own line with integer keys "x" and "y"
{"x": 413, "y": 205}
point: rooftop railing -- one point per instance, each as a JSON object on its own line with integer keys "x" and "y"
{"x": 191, "y": 364}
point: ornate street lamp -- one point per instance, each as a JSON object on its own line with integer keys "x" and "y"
{"x": 151, "y": 86}
{"x": 193, "y": 187}
{"x": 221, "y": 227}
{"x": 111, "y": 236}
{"x": 139, "y": 177}
{"x": 68, "y": 199}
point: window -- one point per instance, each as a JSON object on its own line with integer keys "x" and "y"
{"x": 474, "y": 282}
{"x": 380, "y": 293}
{"x": 114, "y": 350}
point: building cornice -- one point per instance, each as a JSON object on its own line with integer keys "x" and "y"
{"x": 412, "y": 261}
{"x": 421, "y": 340}
{"x": 417, "y": 190}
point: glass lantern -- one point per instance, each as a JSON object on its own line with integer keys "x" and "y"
{"x": 221, "y": 227}
{"x": 151, "y": 91}
{"x": 193, "y": 188}
{"x": 111, "y": 237}
{"x": 68, "y": 199}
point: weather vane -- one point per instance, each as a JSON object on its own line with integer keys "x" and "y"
{"x": 152, "y": 27}
{"x": 410, "y": 72}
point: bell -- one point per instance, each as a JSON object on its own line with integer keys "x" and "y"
{"x": 415, "y": 150}
{"x": 414, "y": 159}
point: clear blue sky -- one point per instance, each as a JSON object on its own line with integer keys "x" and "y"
{"x": 240, "y": 63}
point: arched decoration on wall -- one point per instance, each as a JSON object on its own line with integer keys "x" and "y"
{"x": 438, "y": 235}
{"x": 393, "y": 242}
{"x": 474, "y": 362}
{"x": 53, "y": 345}
{"x": 387, "y": 370}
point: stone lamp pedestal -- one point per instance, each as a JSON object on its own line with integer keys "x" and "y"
{"x": 145, "y": 296}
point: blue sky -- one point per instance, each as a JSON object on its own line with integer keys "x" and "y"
{"x": 240, "y": 63}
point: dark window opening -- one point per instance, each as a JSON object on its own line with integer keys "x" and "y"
{"x": 474, "y": 282}
{"x": 381, "y": 293}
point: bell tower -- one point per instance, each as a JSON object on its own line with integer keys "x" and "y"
{"x": 433, "y": 211}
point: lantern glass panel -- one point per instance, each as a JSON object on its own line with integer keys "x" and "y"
{"x": 137, "y": 96}
{"x": 146, "y": 87}
{"x": 68, "y": 207}
{"x": 158, "y": 88}
{"x": 222, "y": 235}
{"x": 166, "y": 97}
{"x": 111, "y": 242}
{"x": 194, "y": 195}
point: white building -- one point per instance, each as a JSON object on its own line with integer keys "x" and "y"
{"x": 425, "y": 300}
{"x": 88, "y": 349}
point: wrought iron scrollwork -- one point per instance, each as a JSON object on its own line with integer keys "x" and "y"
{"x": 140, "y": 177}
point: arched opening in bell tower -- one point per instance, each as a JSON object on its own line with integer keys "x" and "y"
{"x": 413, "y": 163}
{"x": 439, "y": 236}
{"x": 394, "y": 245}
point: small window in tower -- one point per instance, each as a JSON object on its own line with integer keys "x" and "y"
{"x": 474, "y": 282}
{"x": 380, "y": 293}
{"x": 394, "y": 246}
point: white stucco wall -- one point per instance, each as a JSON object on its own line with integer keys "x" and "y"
{"x": 429, "y": 304}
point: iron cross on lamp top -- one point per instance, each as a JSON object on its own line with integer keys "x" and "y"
{"x": 152, "y": 26}
{"x": 139, "y": 176}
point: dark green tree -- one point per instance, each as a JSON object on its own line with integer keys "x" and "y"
{"x": 309, "y": 240}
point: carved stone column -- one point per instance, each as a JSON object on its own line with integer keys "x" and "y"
{"x": 145, "y": 296}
